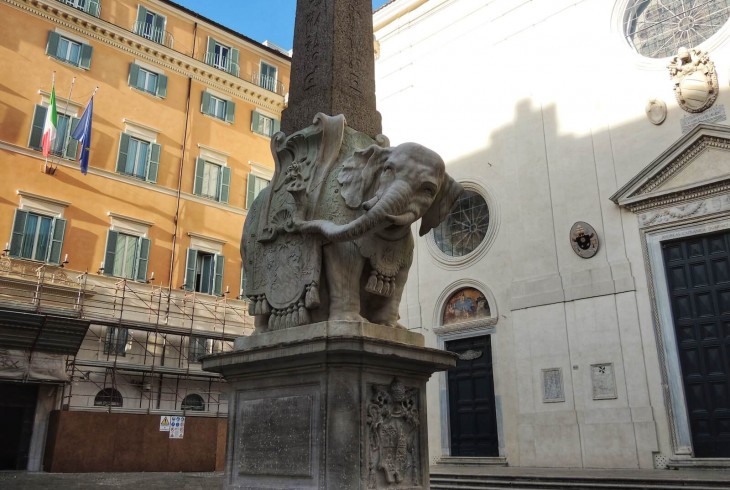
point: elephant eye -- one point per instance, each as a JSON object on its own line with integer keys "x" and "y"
{"x": 430, "y": 190}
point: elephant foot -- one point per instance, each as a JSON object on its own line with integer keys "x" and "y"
{"x": 346, "y": 317}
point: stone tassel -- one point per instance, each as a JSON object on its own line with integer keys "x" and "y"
{"x": 311, "y": 299}
{"x": 252, "y": 307}
{"x": 295, "y": 317}
{"x": 256, "y": 306}
{"x": 372, "y": 282}
{"x": 265, "y": 308}
{"x": 387, "y": 285}
{"x": 379, "y": 287}
{"x": 272, "y": 321}
{"x": 303, "y": 314}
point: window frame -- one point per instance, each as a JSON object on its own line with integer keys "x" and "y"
{"x": 55, "y": 236}
{"x": 69, "y": 146}
{"x": 53, "y": 49}
{"x": 201, "y": 182}
{"x": 141, "y": 256}
{"x": 210, "y": 99}
{"x": 259, "y": 118}
{"x": 194, "y": 274}
{"x": 152, "y": 160}
{"x": 116, "y": 340}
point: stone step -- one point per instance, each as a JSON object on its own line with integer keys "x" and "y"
{"x": 456, "y": 460}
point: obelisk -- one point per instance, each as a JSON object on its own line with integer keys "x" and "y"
{"x": 333, "y": 66}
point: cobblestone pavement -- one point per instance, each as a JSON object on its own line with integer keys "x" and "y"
{"x": 12, "y": 480}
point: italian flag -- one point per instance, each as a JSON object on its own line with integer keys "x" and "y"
{"x": 50, "y": 124}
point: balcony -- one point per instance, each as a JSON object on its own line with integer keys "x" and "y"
{"x": 88, "y": 6}
{"x": 148, "y": 31}
{"x": 222, "y": 63}
{"x": 268, "y": 83}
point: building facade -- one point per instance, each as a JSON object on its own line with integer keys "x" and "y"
{"x": 113, "y": 284}
{"x": 583, "y": 277}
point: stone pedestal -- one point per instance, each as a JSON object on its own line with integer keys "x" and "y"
{"x": 331, "y": 405}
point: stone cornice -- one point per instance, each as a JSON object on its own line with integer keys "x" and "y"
{"x": 122, "y": 39}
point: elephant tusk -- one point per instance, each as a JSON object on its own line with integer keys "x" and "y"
{"x": 402, "y": 219}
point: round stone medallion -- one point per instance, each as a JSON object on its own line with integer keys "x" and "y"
{"x": 584, "y": 240}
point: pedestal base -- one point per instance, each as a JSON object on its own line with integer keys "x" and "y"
{"x": 332, "y": 405}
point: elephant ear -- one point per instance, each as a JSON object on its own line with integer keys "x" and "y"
{"x": 359, "y": 172}
{"x": 442, "y": 204}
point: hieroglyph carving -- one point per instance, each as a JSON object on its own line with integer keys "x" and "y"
{"x": 393, "y": 456}
{"x": 330, "y": 238}
{"x": 695, "y": 79}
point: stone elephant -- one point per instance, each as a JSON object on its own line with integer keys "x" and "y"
{"x": 337, "y": 244}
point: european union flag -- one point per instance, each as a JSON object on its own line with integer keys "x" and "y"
{"x": 82, "y": 133}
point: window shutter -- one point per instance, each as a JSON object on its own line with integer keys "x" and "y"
{"x": 205, "y": 104}
{"x": 251, "y": 190}
{"x": 161, "y": 90}
{"x": 225, "y": 183}
{"x": 234, "y": 62}
{"x": 255, "y": 121}
{"x": 123, "y": 150}
{"x": 276, "y": 127}
{"x": 85, "y": 59}
{"x": 210, "y": 53}
{"x": 190, "y": 261}
{"x": 133, "y": 74}
{"x": 93, "y": 8}
{"x": 199, "y": 169}
{"x": 141, "y": 17}
{"x": 143, "y": 259}
{"x": 16, "y": 238}
{"x": 230, "y": 111}
{"x": 159, "y": 24}
{"x": 36, "y": 129}
{"x": 72, "y": 145}
{"x": 154, "y": 162}
{"x": 52, "y": 46}
{"x": 54, "y": 252}
{"x": 111, "y": 248}
{"x": 218, "y": 278}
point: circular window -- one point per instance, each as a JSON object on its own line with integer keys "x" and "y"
{"x": 658, "y": 28}
{"x": 464, "y": 305}
{"x": 465, "y": 227}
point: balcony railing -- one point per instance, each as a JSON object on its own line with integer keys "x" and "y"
{"x": 91, "y": 8}
{"x": 222, "y": 63}
{"x": 269, "y": 83}
{"x": 147, "y": 31}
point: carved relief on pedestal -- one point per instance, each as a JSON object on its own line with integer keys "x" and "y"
{"x": 393, "y": 456}
{"x": 695, "y": 79}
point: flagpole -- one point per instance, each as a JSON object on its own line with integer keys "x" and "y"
{"x": 53, "y": 84}
{"x": 65, "y": 112}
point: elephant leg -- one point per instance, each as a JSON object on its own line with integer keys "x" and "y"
{"x": 343, "y": 266}
{"x": 384, "y": 309}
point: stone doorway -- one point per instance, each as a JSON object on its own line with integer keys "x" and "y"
{"x": 17, "y": 409}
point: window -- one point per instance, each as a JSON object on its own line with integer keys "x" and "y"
{"x": 212, "y": 180}
{"x": 115, "y": 342}
{"x": 89, "y": 6}
{"x": 204, "y": 272}
{"x": 68, "y": 50}
{"x": 255, "y": 185}
{"x": 217, "y": 107}
{"x": 150, "y": 25}
{"x": 465, "y": 227}
{"x": 63, "y": 146}
{"x": 264, "y": 125}
{"x": 267, "y": 78}
{"x": 138, "y": 158}
{"x": 126, "y": 256}
{"x": 222, "y": 57}
{"x": 108, "y": 397}
{"x": 193, "y": 402}
{"x": 199, "y": 347}
{"x": 147, "y": 80}
{"x": 658, "y": 28}
{"x": 37, "y": 237}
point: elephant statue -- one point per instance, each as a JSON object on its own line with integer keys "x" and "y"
{"x": 330, "y": 238}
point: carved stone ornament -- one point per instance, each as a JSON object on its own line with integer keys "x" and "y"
{"x": 330, "y": 237}
{"x": 584, "y": 240}
{"x": 393, "y": 458}
{"x": 695, "y": 79}
{"x": 656, "y": 111}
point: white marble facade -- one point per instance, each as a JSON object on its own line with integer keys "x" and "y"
{"x": 547, "y": 111}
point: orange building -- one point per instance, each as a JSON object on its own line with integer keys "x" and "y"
{"x": 114, "y": 283}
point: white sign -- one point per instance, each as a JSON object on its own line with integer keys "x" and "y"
{"x": 177, "y": 427}
{"x": 164, "y": 423}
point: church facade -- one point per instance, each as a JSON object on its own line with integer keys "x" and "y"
{"x": 584, "y": 277}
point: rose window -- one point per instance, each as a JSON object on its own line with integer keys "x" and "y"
{"x": 465, "y": 227}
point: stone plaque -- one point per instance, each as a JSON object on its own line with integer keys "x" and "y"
{"x": 275, "y": 436}
{"x": 712, "y": 116}
{"x": 552, "y": 385}
{"x": 603, "y": 381}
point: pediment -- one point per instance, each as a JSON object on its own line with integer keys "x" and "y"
{"x": 697, "y": 164}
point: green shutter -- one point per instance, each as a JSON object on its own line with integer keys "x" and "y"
{"x": 159, "y": 24}
{"x": 275, "y": 127}
{"x": 190, "y": 261}
{"x": 85, "y": 60}
{"x": 72, "y": 145}
{"x": 36, "y": 128}
{"x": 230, "y": 111}
{"x": 143, "y": 259}
{"x": 154, "y": 162}
{"x": 225, "y": 183}
{"x": 92, "y": 7}
{"x": 161, "y": 90}
{"x": 205, "y": 104}
{"x": 111, "y": 248}
{"x": 52, "y": 46}
{"x": 141, "y": 17}
{"x": 54, "y": 252}
{"x": 255, "y": 121}
{"x": 123, "y": 150}
{"x": 251, "y": 190}
{"x": 235, "y": 70}
{"x": 133, "y": 74}
{"x": 16, "y": 238}
{"x": 218, "y": 278}
{"x": 199, "y": 170}
{"x": 210, "y": 53}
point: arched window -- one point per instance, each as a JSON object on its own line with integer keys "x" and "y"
{"x": 193, "y": 402}
{"x": 108, "y": 397}
{"x": 464, "y": 305}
